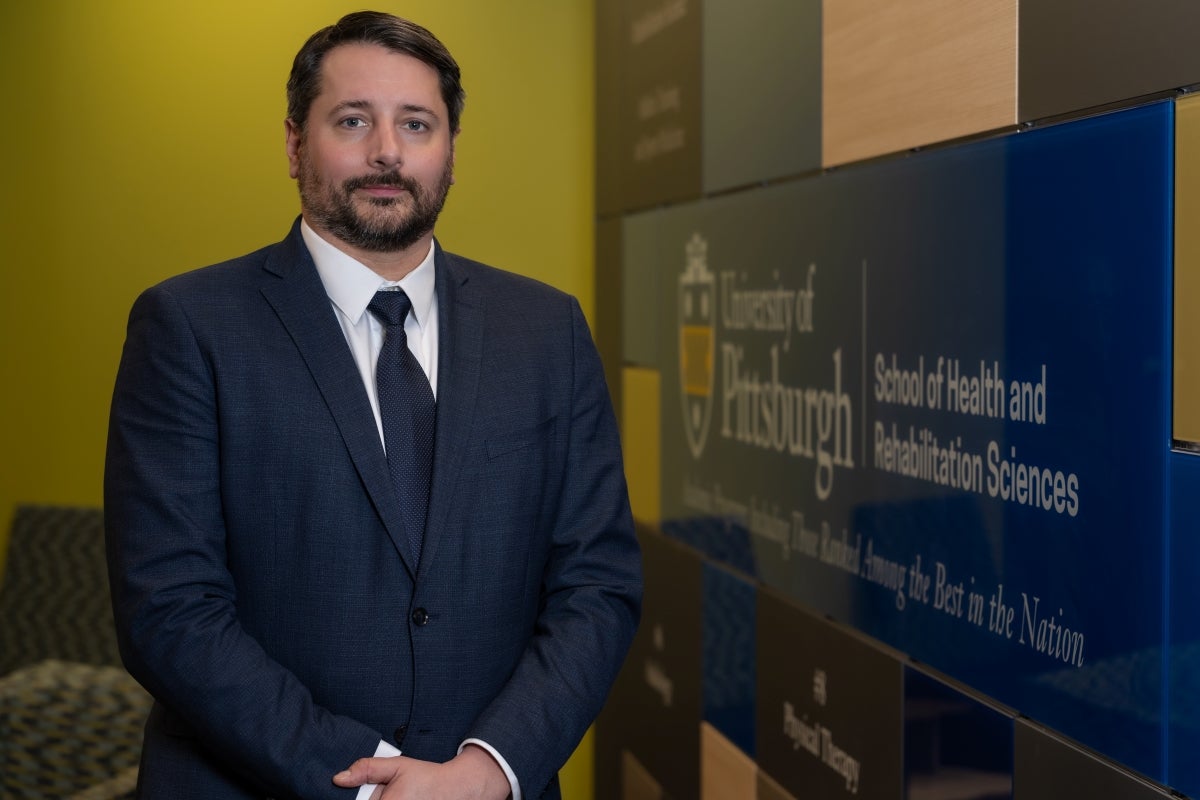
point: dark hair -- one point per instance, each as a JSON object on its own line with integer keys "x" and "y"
{"x": 372, "y": 27}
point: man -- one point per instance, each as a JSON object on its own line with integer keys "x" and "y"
{"x": 305, "y": 584}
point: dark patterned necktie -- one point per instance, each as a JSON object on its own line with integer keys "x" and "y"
{"x": 406, "y": 407}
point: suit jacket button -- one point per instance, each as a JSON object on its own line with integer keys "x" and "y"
{"x": 399, "y": 735}
{"x": 420, "y": 617}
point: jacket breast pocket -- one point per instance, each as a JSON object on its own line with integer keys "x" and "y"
{"x": 505, "y": 500}
{"x": 538, "y": 437}
{"x": 510, "y": 481}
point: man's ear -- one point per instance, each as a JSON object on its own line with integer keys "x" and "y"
{"x": 295, "y": 138}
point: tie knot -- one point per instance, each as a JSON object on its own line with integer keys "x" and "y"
{"x": 390, "y": 306}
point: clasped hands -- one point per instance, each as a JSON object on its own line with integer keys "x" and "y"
{"x": 471, "y": 775}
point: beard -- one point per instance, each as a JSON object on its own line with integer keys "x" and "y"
{"x": 384, "y": 226}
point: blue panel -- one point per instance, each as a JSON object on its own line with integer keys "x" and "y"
{"x": 873, "y": 363}
{"x": 954, "y": 745}
{"x": 729, "y": 656}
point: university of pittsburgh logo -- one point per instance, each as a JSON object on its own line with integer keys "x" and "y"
{"x": 697, "y": 342}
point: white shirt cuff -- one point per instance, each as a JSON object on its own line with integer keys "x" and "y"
{"x": 513, "y": 786}
{"x": 384, "y": 750}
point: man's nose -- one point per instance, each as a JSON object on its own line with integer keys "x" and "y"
{"x": 386, "y": 152}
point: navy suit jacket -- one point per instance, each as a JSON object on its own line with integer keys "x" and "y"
{"x": 263, "y": 590}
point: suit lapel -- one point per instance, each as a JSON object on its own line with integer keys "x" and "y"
{"x": 300, "y": 300}
{"x": 460, "y": 353}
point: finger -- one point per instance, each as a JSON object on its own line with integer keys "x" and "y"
{"x": 347, "y": 779}
{"x": 367, "y": 770}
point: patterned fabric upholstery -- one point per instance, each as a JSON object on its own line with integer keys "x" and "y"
{"x": 65, "y": 727}
{"x": 123, "y": 786}
{"x": 54, "y": 600}
{"x": 71, "y": 717}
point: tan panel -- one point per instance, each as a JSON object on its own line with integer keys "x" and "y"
{"x": 1187, "y": 271}
{"x": 725, "y": 771}
{"x": 899, "y": 74}
{"x": 640, "y": 438}
{"x": 769, "y": 789}
{"x": 636, "y": 781}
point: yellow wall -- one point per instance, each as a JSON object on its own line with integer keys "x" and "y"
{"x": 141, "y": 138}
{"x": 1186, "y": 417}
{"x": 641, "y": 439}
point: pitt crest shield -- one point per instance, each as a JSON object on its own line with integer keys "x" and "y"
{"x": 697, "y": 342}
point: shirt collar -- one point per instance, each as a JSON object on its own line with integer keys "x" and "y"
{"x": 351, "y": 284}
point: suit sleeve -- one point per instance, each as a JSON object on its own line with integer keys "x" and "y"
{"x": 174, "y": 598}
{"x": 591, "y": 593}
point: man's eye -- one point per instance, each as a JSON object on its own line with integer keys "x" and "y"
{"x": 415, "y": 125}
{"x": 353, "y": 122}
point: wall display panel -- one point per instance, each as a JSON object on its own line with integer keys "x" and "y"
{"x": 1047, "y": 767}
{"x": 610, "y": 124}
{"x": 1077, "y": 54}
{"x": 905, "y": 73}
{"x": 640, "y": 310}
{"x": 762, "y": 91}
{"x": 954, "y": 745}
{"x": 929, "y": 396}
{"x": 658, "y": 123}
{"x": 653, "y": 716}
{"x": 1184, "y": 652}
{"x": 725, "y": 769}
{"x": 769, "y": 789}
{"x": 1183, "y": 677}
{"x": 1187, "y": 272}
{"x": 637, "y": 783}
{"x": 829, "y": 707}
{"x": 729, "y": 648}
{"x": 607, "y": 319}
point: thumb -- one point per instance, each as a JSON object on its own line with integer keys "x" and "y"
{"x": 368, "y": 770}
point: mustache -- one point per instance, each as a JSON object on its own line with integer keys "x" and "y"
{"x": 393, "y": 179}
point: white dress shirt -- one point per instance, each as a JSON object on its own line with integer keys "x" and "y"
{"x": 351, "y": 285}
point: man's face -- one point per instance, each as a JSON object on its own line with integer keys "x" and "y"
{"x": 376, "y": 158}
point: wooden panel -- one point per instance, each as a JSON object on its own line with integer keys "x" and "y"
{"x": 1187, "y": 272}
{"x": 641, "y": 440}
{"x": 636, "y": 781}
{"x": 725, "y": 771}
{"x": 769, "y": 789}
{"x": 904, "y": 73}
